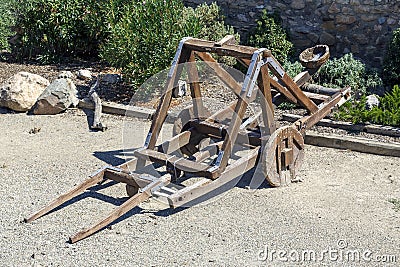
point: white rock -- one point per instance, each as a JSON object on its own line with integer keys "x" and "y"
{"x": 20, "y": 91}
{"x": 58, "y": 96}
{"x": 65, "y": 75}
{"x": 372, "y": 101}
{"x": 84, "y": 74}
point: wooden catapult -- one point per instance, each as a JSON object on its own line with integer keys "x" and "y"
{"x": 277, "y": 152}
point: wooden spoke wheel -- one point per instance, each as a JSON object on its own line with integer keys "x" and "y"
{"x": 181, "y": 124}
{"x": 131, "y": 190}
{"x": 282, "y": 156}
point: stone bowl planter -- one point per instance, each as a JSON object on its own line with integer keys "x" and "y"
{"x": 314, "y": 57}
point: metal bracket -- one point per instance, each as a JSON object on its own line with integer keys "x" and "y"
{"x": 147, "y": 142}
{"x": 177, "y": 55}
{"x": 275, "y": 65}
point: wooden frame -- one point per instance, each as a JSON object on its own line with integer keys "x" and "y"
{"x": 222, "y": 168}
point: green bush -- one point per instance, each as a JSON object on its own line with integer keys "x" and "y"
{"x": 209, "y": 25}
{"x": 347, "y": 71}
{"x": 144, "y": 40}
{"x": 387, "y": 113}
{"x": 391, "y": 65}
{"x": 270, "y": 34}
{"x": 6, "y": 21}
{"x": 52, "y": 29}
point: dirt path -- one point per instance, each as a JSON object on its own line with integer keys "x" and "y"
{"x": 342, "y": 204}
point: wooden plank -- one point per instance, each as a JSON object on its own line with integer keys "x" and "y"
{"x": 324, "y": 109}
{"x": 319, "y": 89}
{"x": 219, "y": 131}
{"x": 232, "y": 134}
{"x": 119, "y": 109}
{"x": 266, "y": 101}
{"x": 193, "y": 75}
{"x": 221, "y": 72}
{"x": 368, "y": 128}
{"x": 180, "y": 163}
{"x": 162, "y": 109}
{"x": 98, "y": 177}
{"x": 302, "y": 78}
{"x": 296, "y": 91}
{"x": 115, "y": 214}
{"x": 190, "y": 193}
{"x": 238, "y": 51}
{"x": 229, "y": 39}
{"x": 176, "y": 142}
{"x": 133, "y": 179}
{"x": 353, "y": 143}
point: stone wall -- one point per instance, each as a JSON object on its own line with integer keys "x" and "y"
{"x": 362, "y": 27}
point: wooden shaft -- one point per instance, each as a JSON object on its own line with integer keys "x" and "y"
{"x": 266, "y": 101}
{"x": 220, "y": 72}
{"x": 162, "y": 109}
{"x": 198, "y": 107}
{"x": 222, "y": 50}
{"x": 67, "y": 196}
{"x": 294, "y": 88}
{"x": 232, "y": 133}
{"x": 115, "y": 214}
{"x": 306, "y": 123}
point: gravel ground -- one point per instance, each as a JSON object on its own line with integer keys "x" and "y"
{"x": 342, "y": 205}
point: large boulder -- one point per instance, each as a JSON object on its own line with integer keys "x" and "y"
{"x": 21, "y": 91}
{"x": 57, "y": 97}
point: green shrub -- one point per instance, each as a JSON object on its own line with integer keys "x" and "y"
{"x": 391, "y": 65}
{"x": 144, "y": 40}
{"x": 209, "y": 25}
{"x": 387, "y": 113}
{"x": 270, "y": 34}
{"x": 347, "y": 71}
{"x": 52, "y": 29}
{"x": 292, "y": 69}
{"x": 6, "y": 21}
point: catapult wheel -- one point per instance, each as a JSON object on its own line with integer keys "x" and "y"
{"x": 181, "y": 124}
{"x": 131, "y": 190}
{"x": 282, "y": 156}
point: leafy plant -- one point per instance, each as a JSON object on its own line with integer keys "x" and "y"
{"x": 209, "y": 25}
{"x": 6, "y": 21}
{"x": 387, "y": 113}
{"x": 391, "y": 65}
{"x": 292, "y": 69}
{"x": 143, "y": 41}
{"x": 52, "y": 29}
{"x": 347, "y": 71}
{"x": 270, "y": 34}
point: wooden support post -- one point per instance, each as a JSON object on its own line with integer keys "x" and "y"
{"x": 195, "y": 92}
{"x": 291, "y": 86}
{"x": 266, "y": 101}
{"x": 161, "y": 112}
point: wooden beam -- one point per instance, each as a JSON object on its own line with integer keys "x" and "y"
{"x": 237, "y": 51}
{"x": 187, "y": 195}
{"x": 220, "y": 72}
{"x": 175, "y": 143}
{"x": 348, "y": 126}
{"x": 325, "y": 108}
{"x": 353, "y": 143}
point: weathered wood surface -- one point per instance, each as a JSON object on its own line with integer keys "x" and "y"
{"x": 368, "y": 128}
{"x": 353, "y": 143}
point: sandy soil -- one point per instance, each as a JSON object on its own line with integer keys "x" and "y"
{"x": 342, "y": 205}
